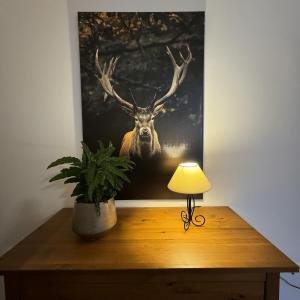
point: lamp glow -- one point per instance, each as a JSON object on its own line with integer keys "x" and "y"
{"x": 190, "y": 179}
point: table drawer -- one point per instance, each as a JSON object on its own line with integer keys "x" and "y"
{"x": 153, "y": 285}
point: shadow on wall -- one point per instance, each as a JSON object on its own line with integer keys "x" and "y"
{"x": 66, "y": 190}
{"x": 76, "y": 90}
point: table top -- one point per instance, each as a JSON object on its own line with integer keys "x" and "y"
{"x": 149, "y": 238}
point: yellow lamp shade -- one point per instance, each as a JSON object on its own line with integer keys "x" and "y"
{"x": 189, "y": 179}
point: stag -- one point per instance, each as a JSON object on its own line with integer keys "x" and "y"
{"x": 143, "y": 140}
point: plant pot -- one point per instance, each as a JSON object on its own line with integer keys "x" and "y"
{"x": 88, "y": 224}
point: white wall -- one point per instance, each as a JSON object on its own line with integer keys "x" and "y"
{"x": 36, "y": 113}
{"x": 252, "y": 91}
{"x": 252, "y": 124}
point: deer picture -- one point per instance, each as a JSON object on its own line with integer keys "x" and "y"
{"x": 143, "y": 140}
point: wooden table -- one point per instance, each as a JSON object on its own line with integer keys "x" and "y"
{"x": 146, "y": 256}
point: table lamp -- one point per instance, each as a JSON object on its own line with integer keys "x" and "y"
{"x": 189, "y": 179}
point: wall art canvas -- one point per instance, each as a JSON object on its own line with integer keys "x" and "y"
{"x": 142, "y": 89}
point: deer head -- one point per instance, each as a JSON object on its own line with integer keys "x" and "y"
{"x": 145, "y": 133}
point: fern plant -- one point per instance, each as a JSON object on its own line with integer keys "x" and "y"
{"x": 98, "y": 175}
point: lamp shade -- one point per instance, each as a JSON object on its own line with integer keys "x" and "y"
{"x": 189, "y": 179}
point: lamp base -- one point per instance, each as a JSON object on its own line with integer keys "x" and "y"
{"x": 188, "y": 215}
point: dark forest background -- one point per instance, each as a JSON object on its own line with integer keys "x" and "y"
{"x": 140, "y": 39}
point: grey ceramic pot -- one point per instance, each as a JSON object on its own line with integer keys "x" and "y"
{"x": 88, "y": 224}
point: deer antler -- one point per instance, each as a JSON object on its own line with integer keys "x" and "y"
{"x": 178, "y": 77}
{"x": 105, "y": 78}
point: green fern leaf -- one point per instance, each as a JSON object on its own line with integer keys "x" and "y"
{"x": 65, "y": 160}
{"x": 90, "y": 173}
{"x": 119, "y": 173}
{"x": 110, "y": 179}
{"x": 87, "y": 151}
{"x": 67, "y": 172}
{"x": 72, "y": 180}
{"x": 78, "y": 190}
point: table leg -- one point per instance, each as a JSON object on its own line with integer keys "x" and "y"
{"x": 272, "y": 286}
{"x": 12, "y": 286}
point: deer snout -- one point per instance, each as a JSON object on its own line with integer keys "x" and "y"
{"x": 145, "y": 133}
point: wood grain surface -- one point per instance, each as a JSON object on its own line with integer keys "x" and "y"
{"x": 150, "y": 238}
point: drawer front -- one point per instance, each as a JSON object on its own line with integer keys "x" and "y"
{"x": 140, "y": 285}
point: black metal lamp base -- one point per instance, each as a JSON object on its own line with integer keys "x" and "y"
{"x": 188, "y": 215}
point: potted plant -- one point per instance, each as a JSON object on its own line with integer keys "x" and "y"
{"x": 98, "y": 176}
